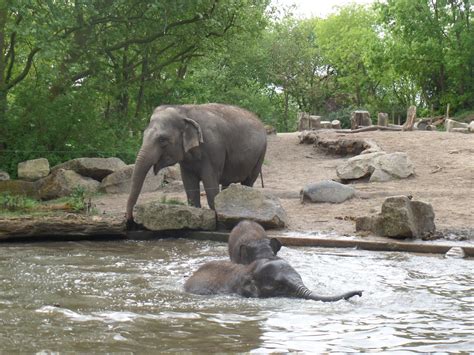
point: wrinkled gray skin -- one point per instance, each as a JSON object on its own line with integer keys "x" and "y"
{"x": 262, "y": 278}
{"x": 248, "y": 242}
{"x": 213, "y": 143}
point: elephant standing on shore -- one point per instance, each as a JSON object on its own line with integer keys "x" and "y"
{"x": 262, "y": 278}
{"x": 248, "y": 242}
{"x": 213, "y": 143}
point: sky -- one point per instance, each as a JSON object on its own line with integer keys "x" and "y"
{"x": 316, "y": 8}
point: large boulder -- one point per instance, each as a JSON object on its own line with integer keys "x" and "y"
{"x": 63, "y": 182}
{"x": 4, "y": 175}
{"x": 19, "y": 187}
{"x": 157, "y": 216}
{"x": 121, "y": 181}
{"x": 379, "y": 166}
{"x": 239, "y": 202}
{"x": 357, "y": 167}
{"x": 392, "y": 166}
{"x": 96, "y": 168}
{"x": 32, "y": 170}
{"x": 326, "y": 191}
{"x": 471, "y": 126}
{"x": 400, "y": 218}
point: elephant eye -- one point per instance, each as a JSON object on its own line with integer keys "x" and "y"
{"x": 163, "y": 140}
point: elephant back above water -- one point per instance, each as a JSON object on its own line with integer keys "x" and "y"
{"x": 262, "y": 278}
{"x": 248, "y": 242}
{"x": 213, "y": 143}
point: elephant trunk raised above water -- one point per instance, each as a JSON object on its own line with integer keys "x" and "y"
{"x": 213, "y": 143}
{"x": 261, "y": 278}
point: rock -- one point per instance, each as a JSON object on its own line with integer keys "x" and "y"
{"x": 19, "y": 187}
{"x": 471, "y": 126}
{"x": 157, "y": 216}
{"x": 62, "y": 183}
{"x": 308, "y": 122}
{"x": 239, "y": 202}
{"x": 400, "y": 218}
{"x": 336, "y": 124}
{"x": 360, "y": 119}
{"x": 392, "y": 166}
{"x": 382, "y": 119}
{"x": 32, "y": 170}
{"x": 358, "y": 167}
{"x": 326, "y": 191}
{"x": 455, "y": 253}
{"x": 120, "y": 181}
{"x": 339, "y": 146}
{"x": 96, "y": 168}
{"x": 380, "y": 166}
{"x": 450, "y": 124}
{"x": 4, "y": 176}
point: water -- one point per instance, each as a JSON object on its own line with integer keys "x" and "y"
{"x": 127, "y": 296}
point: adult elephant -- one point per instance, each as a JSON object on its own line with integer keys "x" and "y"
{"x": 261, "y": 278}
{"x": 213, "y": 143}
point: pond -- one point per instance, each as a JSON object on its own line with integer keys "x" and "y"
{"x": 127, "y": 296}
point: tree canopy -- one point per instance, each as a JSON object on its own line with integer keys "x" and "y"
{"x": 81, "y": 77}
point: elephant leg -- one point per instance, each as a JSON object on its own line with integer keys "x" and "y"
{"x": 211, "y": 185}
{"x": 250, "y": 180}
{"x": 191, "y": 186}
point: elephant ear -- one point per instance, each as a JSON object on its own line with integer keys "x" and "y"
{"x": 275, "y": 244}
{"x": 245, "y": 254}
{"x": 192, "y": 135}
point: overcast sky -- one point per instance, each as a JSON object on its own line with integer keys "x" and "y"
{"x": 319, "y": 8}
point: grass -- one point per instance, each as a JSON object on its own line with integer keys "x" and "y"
{"x": 171, "y": 201}
{"x": 17, "y": 205}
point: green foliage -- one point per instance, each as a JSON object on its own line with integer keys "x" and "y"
{"x": 171, "y": 201}
{"x": 16, "y": 203}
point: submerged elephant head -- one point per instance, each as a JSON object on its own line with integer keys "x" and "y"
{"x": 277, "y": 278}
{"x": 168, "y": 137}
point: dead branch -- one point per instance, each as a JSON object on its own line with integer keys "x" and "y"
{"x": 368, "y": 129}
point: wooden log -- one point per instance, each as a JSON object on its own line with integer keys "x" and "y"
{"x": 369, "y": 128}
{"x": 411, "y": 116}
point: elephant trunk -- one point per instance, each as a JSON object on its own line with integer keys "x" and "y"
{"x": 143, "y": 164}
{"x": 303, "y": 292}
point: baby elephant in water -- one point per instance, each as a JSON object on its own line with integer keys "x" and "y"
{"x": 261, "y": 278}
{"x": 249, "y": 242}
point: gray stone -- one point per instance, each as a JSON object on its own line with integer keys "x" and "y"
{"x": 157, "y": 216}
{"x": 450, "y": 124}
{"x": 471, "y": 126}
{"x": 326, "y": 191}
{"x": 20, "y": 187}
{"x": 62, "y": 183}
{"x": 96, "y": 168}
{"x": 357, "y": 167}
{"x": 392, "y": 166}
{"x": 460, "y": 130}
{"x": 400, "y": 218}
{"x": 32, "y": 170}
{"x": 455, "y": 253}
{"x": 326, "y": 125}
{"x": 239, "y": 202}
{"x": 4, "y": 176}
{"x": 380, "y": 166}
{"x": 121, "y": 181}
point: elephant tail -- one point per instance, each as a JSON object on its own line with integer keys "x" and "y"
{"x": 305, "y": 293}
{"x": 261, "y": 178}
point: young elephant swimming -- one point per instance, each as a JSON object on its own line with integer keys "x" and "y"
{"x": 261, "y": 278}
{"x": 249, "y": 242}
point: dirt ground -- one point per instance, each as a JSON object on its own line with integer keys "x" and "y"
{"x": 444, "y": 177}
